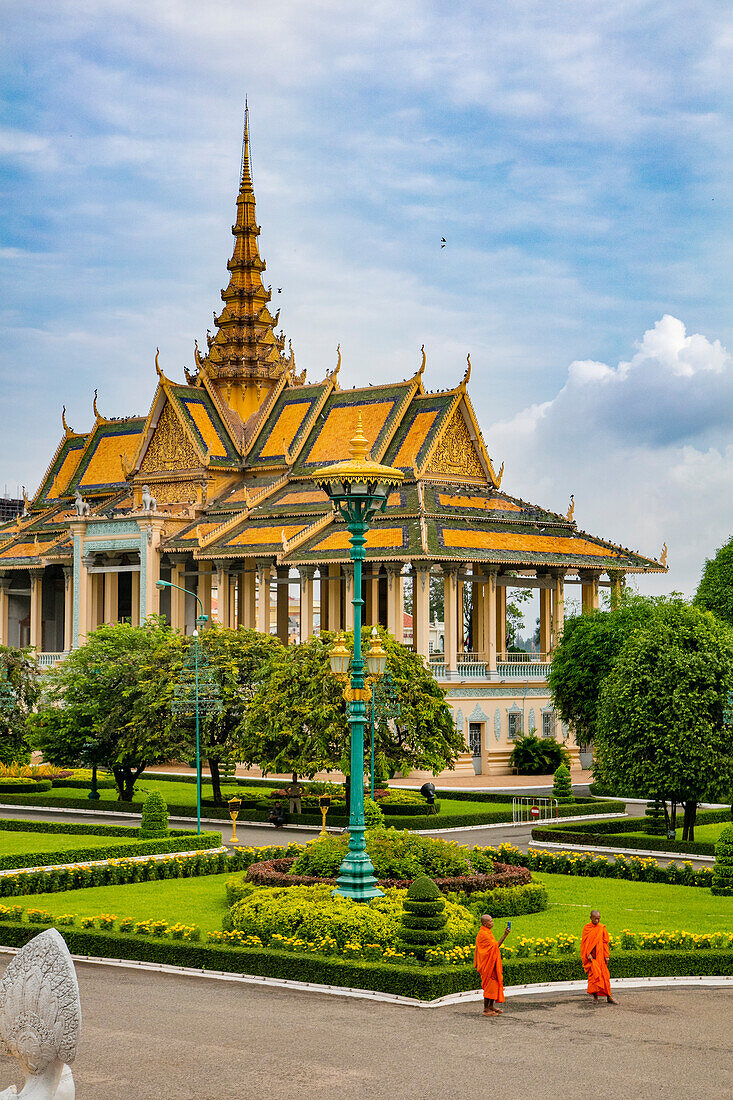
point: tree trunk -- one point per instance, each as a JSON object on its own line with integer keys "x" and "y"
{"x": 126, "y": 778}
{"x": 216, "y": 782}
{"x": 688, "y": 827}
{"x": 667, "y": 819}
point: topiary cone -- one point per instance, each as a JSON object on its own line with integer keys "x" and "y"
{"x": 423, "y": 920}
{"x": 562, "y": 786}
{"x": 155, "y": 817}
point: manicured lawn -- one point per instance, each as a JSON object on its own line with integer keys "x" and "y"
{"x": 177, "y": 794}
{"x": 707, "y": 833}
{"x": 642, "y": 907}
{"x": 11, "y": 842}
{"x": 199, "y": 901}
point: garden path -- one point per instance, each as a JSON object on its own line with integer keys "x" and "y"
{"x": 158, "y": 1037}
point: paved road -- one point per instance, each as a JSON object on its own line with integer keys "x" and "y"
{"x": 164, "y": 1037}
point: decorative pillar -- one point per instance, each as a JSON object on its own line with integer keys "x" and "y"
{"x": 232, "y": 594}
{"x": 222, "y": 593}
{"x": 95, "y": 608}
{"x": 151, "y": 537}
{"x": 616, "y": 577}
{"x": 283, "y": 603}
{"x": 263, "y": 596}
{"x": 68, "y": 608}
{"x": 348, "y": 597}
{"x": 307, "y": 572}
{"x": 203, "y": 589}
{"x": 399, "y": 609}
{"x": 421, "y": 611}
{"x": 459, "y": 617}
{"x": 479, "y": 619}
{"x": 372, "y": 589}
{"x": 4, "y": 586}
{"x": 558, "y": 607}
{"x": 395, "y": 619}
{"x": 450, "y": 633}
{"x": 334, "y": 597}
{"x": 490, "y": 620}
{"x": 111, "y": 591}
{"x": 36, "y": 634}
{"x": 248, "y": 599}
{"x": 590, "y": 591}
{"x": 500, "y": 621}
{"x": 135, "y": 599}
{"x": 178, "y": 599}
{"x": 545, "y": 618}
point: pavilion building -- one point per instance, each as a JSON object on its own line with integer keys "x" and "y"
{"x": 216, "y": 490}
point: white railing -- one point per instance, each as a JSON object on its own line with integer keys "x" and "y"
{"x": 48, "y": 660}
{"x": 534, "y": 809}
{"x": 473, "y": 666}
{"x": 525, "y": 670}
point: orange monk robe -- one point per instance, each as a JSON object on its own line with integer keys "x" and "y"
{"x": 599, "y": 979}
{"x": 487, "y": 960}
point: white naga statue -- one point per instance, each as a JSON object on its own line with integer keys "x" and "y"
{"x": 40, "y": 1018}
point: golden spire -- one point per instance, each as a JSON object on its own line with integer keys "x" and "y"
{"x": 245, "y": 352}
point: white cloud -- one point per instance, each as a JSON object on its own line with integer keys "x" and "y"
{"x": 644, "y": 446}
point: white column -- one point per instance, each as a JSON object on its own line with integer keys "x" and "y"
{"x": 152, "y": 529}
{"x": 500, "y": 620}
{"x": 459, "y": 617}
{"x": 334, "y": 597}
{"x": 307, "y": 573}
{"x": 111, "y": 592}
{"x": 222, "y": 593}
{"x": 69, "y": 607}
{"x": 616, "y": 577}
{"x": 545, "y": 620}
{"x": 558, "y": 607}
{"x": 263, "y": 596}
{"x": 4, "y": 586}
{"x": 348, "y": 597}
{"x": 394, "y": 585}
{"x": 450, "y": 633}
{"x": 36, "y": 576}
{"x": 490, "y": 620}
{"x": 421, "y": 611}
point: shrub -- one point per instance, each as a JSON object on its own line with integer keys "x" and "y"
{"x": 562, "y": 787}
{"x": 373, "y": 815}
{"x": 14, "y": 785}
{"x": 534, "y": 755}
{"x": 394, "y": 854}
{"x": 509, "y": 901}
{"x": 723, "y": 869}
{"x": 423, "y": 918}
{"x": 654, "y": 820}
{"x": 154, "y": 823}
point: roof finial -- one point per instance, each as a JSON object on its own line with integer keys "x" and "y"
{"x": 94, "y": 404}
{"x": 333, "y": 376}
{"x": 571, "y": 509}
{"x": 158, "y": 371}
{"x": 246, "y": 170}
{"x": 499, "y": 476}
{"x": 424, "y": 360}
{"x": 663, "y": 556}
{"x": 467, "y": 375}
{"x": 64, "y": 425}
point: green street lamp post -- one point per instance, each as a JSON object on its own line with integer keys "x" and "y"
{"x": 206, "y": 702}
{"x": 358, "y": 489}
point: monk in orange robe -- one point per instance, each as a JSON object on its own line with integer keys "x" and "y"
{"x": 487, "y": 960}
{"x": 594, "y": 951}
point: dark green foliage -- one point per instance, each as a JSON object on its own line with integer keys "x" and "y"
{"x": 562, "y": 787}
{"x": 715, "y": 591}
{"x": 510, "y": 901}
{"x": 23, "y": 676}
{"x": 22, "y": 786}
{"x": 154, "y": 823}
{"x": 654, "y": 820}
{"x": 660, "y": 726}
{"x": 723, "y": 869}
{"x": 423, "y": 923}
{"x": 297, "y": 719}
{"x": 584, "y": 657}
{"x": 533, "y": 755}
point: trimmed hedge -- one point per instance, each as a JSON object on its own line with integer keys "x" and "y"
{"x": 183, "y": 842}
{"x": 276, "y": 872}
{"x": 588, "y": 865}
{"x": 606, "y": 834}
{"x": 424, "y": 983}
{"x": 20, "y": 786}
{"x": 510, "y": 901}
{"x": 85, "y": 784}
{"x": 73, "y": 828}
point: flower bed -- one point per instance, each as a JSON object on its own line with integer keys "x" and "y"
{"x": 276, "y": 872}
{"x": 607, "y": 834}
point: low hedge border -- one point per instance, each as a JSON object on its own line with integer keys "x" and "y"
{"x": 425, "y": 983}
{"x": 602, "y": 833}
{"x": 185, "y": 842}
{"x": 275, "y": 872}
{"x": 20, "y": 786}
{"x": 630, "y": 868}
{"x": 492, "y": 817}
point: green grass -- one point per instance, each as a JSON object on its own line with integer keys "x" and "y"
{"x": 707, "y": 833}
{"x": 12, "y": 843}
{"x": 177, "y": 794}
{"x": 642, "y": 907}
{"x": 199, "y": 901}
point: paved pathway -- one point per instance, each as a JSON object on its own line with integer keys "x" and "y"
{"x": 164, "y": 1037}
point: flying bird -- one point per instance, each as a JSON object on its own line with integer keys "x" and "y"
{"x": 443, "y": 242}
{"x": 279, "y": 290}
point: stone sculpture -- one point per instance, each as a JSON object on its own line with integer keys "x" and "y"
{"x": 81, "y": 505}
{"x": 40, "y": 1018}
{"x": 150, "y": 504}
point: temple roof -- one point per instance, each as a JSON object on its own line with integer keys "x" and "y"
{"x": 111, "y": 443}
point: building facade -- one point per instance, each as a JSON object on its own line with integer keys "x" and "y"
{"x": 216, "y": 490}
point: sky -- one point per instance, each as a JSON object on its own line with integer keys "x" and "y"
{"x": 574, "y": 156}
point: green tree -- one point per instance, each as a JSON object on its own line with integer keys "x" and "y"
{"x": 585, "y": 655}
{"x": 22, "y": 672}
{"x": 715, "y": 591}
{"x": 296, "y": 720}
{"x": 236, "y": 659}
{"x": 660, "y": 725}
{"x": 114, "y": 693}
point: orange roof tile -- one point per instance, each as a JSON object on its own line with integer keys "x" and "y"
{"x": 286, "y": 427}
{"x": 200, "y": 416}
{"x": 376, "y": 538}
{"x": 415, "y": 437}
{"x": 507, "y": 540}
{"x": 253, "y": 536}
{"x": 340, "y": 425}
{"x": 493, "y": 504}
